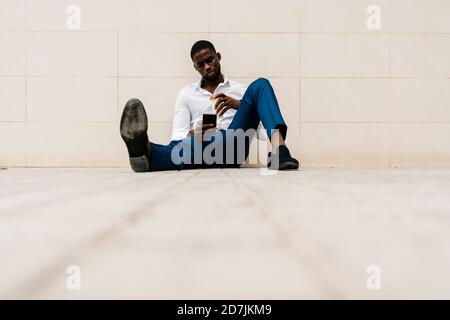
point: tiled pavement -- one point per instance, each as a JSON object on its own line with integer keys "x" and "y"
{"x": 212, "y": 234}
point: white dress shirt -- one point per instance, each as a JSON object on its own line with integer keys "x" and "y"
{"x": 193, "y": 101}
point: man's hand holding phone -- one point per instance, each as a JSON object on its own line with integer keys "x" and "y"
{"x": 200, "y": 129}
{"x": 221, "y": 104}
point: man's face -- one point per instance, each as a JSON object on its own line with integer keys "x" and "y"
{"x": 207, "y": 63}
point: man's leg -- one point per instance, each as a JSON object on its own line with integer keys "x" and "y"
{"x": 259, "y": 103}
{"x": 144, "y": 156}
{"x": 161, "y": 157}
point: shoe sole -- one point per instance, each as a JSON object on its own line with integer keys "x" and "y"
{"x": 288, "y": 165}
{"x": 134, "y": 120}
{"x": 133, "y": 130}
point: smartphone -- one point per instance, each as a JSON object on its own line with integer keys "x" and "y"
{"x": 210, "y": 119}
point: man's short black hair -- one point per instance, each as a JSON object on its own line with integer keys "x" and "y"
{"x": 200, "y": 45}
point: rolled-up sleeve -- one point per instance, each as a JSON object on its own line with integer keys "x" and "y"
{"x": 181, "y": 119}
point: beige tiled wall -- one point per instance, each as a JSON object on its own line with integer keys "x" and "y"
{"x": 351, "y": 96}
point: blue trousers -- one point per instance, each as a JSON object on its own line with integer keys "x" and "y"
{"x": 259, "y": 104}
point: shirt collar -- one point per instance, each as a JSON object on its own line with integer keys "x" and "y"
{"x": 225, "y": 82}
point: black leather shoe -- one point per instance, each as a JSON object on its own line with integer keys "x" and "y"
{"x": 282, "y": 160}
{"x": 133, "y": 129}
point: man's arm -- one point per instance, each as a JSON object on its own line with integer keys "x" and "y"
{"x": 181, "y": 118}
